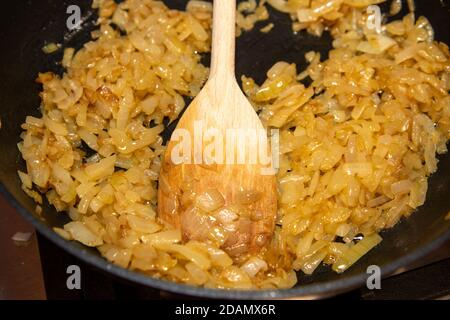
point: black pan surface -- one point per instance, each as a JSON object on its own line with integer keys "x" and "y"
{"x": 26, "y": 25}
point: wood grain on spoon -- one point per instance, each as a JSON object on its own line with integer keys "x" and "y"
{"x": 232, "y": 203}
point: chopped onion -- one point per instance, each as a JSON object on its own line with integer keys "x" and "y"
{"x": 227, "y": 215}
{"x": 63, "y": 233}
{"x": 359, "y": 168}
{"x": 210, "y": 200}
{"x": 312, "y": 262}
{"x": 51, "y": 47}
{"x": 362, "y": 3}
{"x": 396, "y": 7}
{"x": 353, "y": 254}
{"x": 236, "y": 276}
{"x": 343, "y": 229}
{"x": 170, "y": 236}
{"x": 376, "y": 44}
{"x": 377, "y": 201}
{"x": 411, "y": 5}
{"x": 408, "y": 52}
{"x": 22, "y": 236}
{"x": 194, "y": 5}
{"x": 254, "y": 265}
{"x": 187, "y": 252}
{"x": 80, "y": 232}
{"x": 144, "y": 225}
{"x": 280, "y": 5}
{"x": 304, "y": 244}
{"x": 400, "y": 187}
{"x": 103, "y": 168}
{"x": 198, "y": 274}
{"x": 26, "y": 179}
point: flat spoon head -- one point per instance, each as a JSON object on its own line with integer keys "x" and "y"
{"x": 216, "y": 182}
{"x": 233, "y": 204}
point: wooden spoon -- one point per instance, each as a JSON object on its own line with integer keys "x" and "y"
{"x": 230, "y": 202}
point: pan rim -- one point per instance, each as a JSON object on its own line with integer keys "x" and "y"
{"x": 306, "y": 291}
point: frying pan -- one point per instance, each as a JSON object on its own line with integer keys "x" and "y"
{"x": 26, "y": 25}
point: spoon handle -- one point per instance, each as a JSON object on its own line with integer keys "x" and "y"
{"x": 223, "y": 40}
